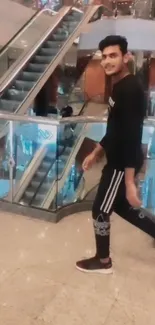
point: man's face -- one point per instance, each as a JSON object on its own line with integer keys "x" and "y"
{"x": 113, "y": 61}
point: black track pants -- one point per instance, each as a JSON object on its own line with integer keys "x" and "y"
{"x": 111, "y": 191}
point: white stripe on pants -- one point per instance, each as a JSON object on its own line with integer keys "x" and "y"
{"x": 112, "y": 191}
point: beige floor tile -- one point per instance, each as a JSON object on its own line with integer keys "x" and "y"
{"x": 139, "y": 315}
{"x": 118, "y": 316}
{"x": 27, "y": 293}
{"x": 39, "y": 284}
{"x": 75, "y": 305}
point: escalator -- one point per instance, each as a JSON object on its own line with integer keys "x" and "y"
{"x": 38, "y": 184}
{"x": 15, "y": 50}
{"x": 19, "y": 89}
{"x": 51, "y": 164}
{"x": 16, "y": 45}
{"x": 49, "y": 170}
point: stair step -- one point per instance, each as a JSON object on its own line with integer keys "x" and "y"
{"x": 69, "y": 24}
{"x": 53, "y": 44}
{"x": 76, "y": 14}
{"x": 41, "y": 191}
{"x": 59, "y": 37}
{"x": 33, "y": 67}
{"x": 69, "y": 18}
{"x": 24, "y": 200}
{"x": 8, "y": 105}
{"x": 50, "y": 156}
{"x": 36, "y": 184}
{"x": 42, "y": 168}
{"x": 69, "y": 29}
{"x": 29, "y": 193}
{"x": 43, "y": 59}
{"x": 46, "y": 164}
{"x": 30, "y": 76}
{"x": 67, "y": 151}
{"x": 23, "y": 85}
{"x": 61, "y": 31}
{"x": 49, "y": 51}
{"x": 16, "y": 95}
{"x": 40, "y": 173}
{"x": 37, "y": 201}
{"x": 36, "y": 179}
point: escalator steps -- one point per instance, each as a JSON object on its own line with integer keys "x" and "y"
{"x": 12, "y": 98}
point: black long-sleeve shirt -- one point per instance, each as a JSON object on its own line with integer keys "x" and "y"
{"x": 127, "y": 109}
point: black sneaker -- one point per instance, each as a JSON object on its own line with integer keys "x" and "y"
{"x": 94, "y": 265}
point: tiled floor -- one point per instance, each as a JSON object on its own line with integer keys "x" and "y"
{"x": 39, "y": 284}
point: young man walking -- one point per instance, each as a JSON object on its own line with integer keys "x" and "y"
{"x": 122, "y": 146}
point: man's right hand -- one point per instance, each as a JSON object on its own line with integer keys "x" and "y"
{"x": 89, "y": 161}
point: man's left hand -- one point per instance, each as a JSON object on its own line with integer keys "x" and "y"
{"x": 132, "y": 196}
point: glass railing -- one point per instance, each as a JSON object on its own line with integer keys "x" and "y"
{"x": 70, "y": 90}
{"x": 21, "y": 95}
{"x": 41, "y": 163}
{"x": 25, "y": 38}
{"x": 31, "y": 32}
{"x": 70, "y": 83}
{"x": 53, "y": 4}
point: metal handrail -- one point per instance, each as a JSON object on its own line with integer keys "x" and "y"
{"x": 32, "y": 51}
{"x": 51, "y": 121}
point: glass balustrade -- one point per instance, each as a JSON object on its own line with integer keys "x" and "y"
{"x": 36, "y": 4}
{"x": 25, "y": 39}
{"x": 41, "y": 163}
{"x": 5, "y": 155}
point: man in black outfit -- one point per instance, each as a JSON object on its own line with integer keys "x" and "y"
{"x": 122, "y": 146}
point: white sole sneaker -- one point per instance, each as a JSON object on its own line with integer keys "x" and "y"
{"x": 99, "y": 271}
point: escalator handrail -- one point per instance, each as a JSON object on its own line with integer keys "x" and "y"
{"x": 65, "y": 120}
{"x": 19, "y": 64}
{"x": 23, "y": 28}
{"x": 32, "y": 51}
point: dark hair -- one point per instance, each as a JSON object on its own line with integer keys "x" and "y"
{"x": 114, "y": 40}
